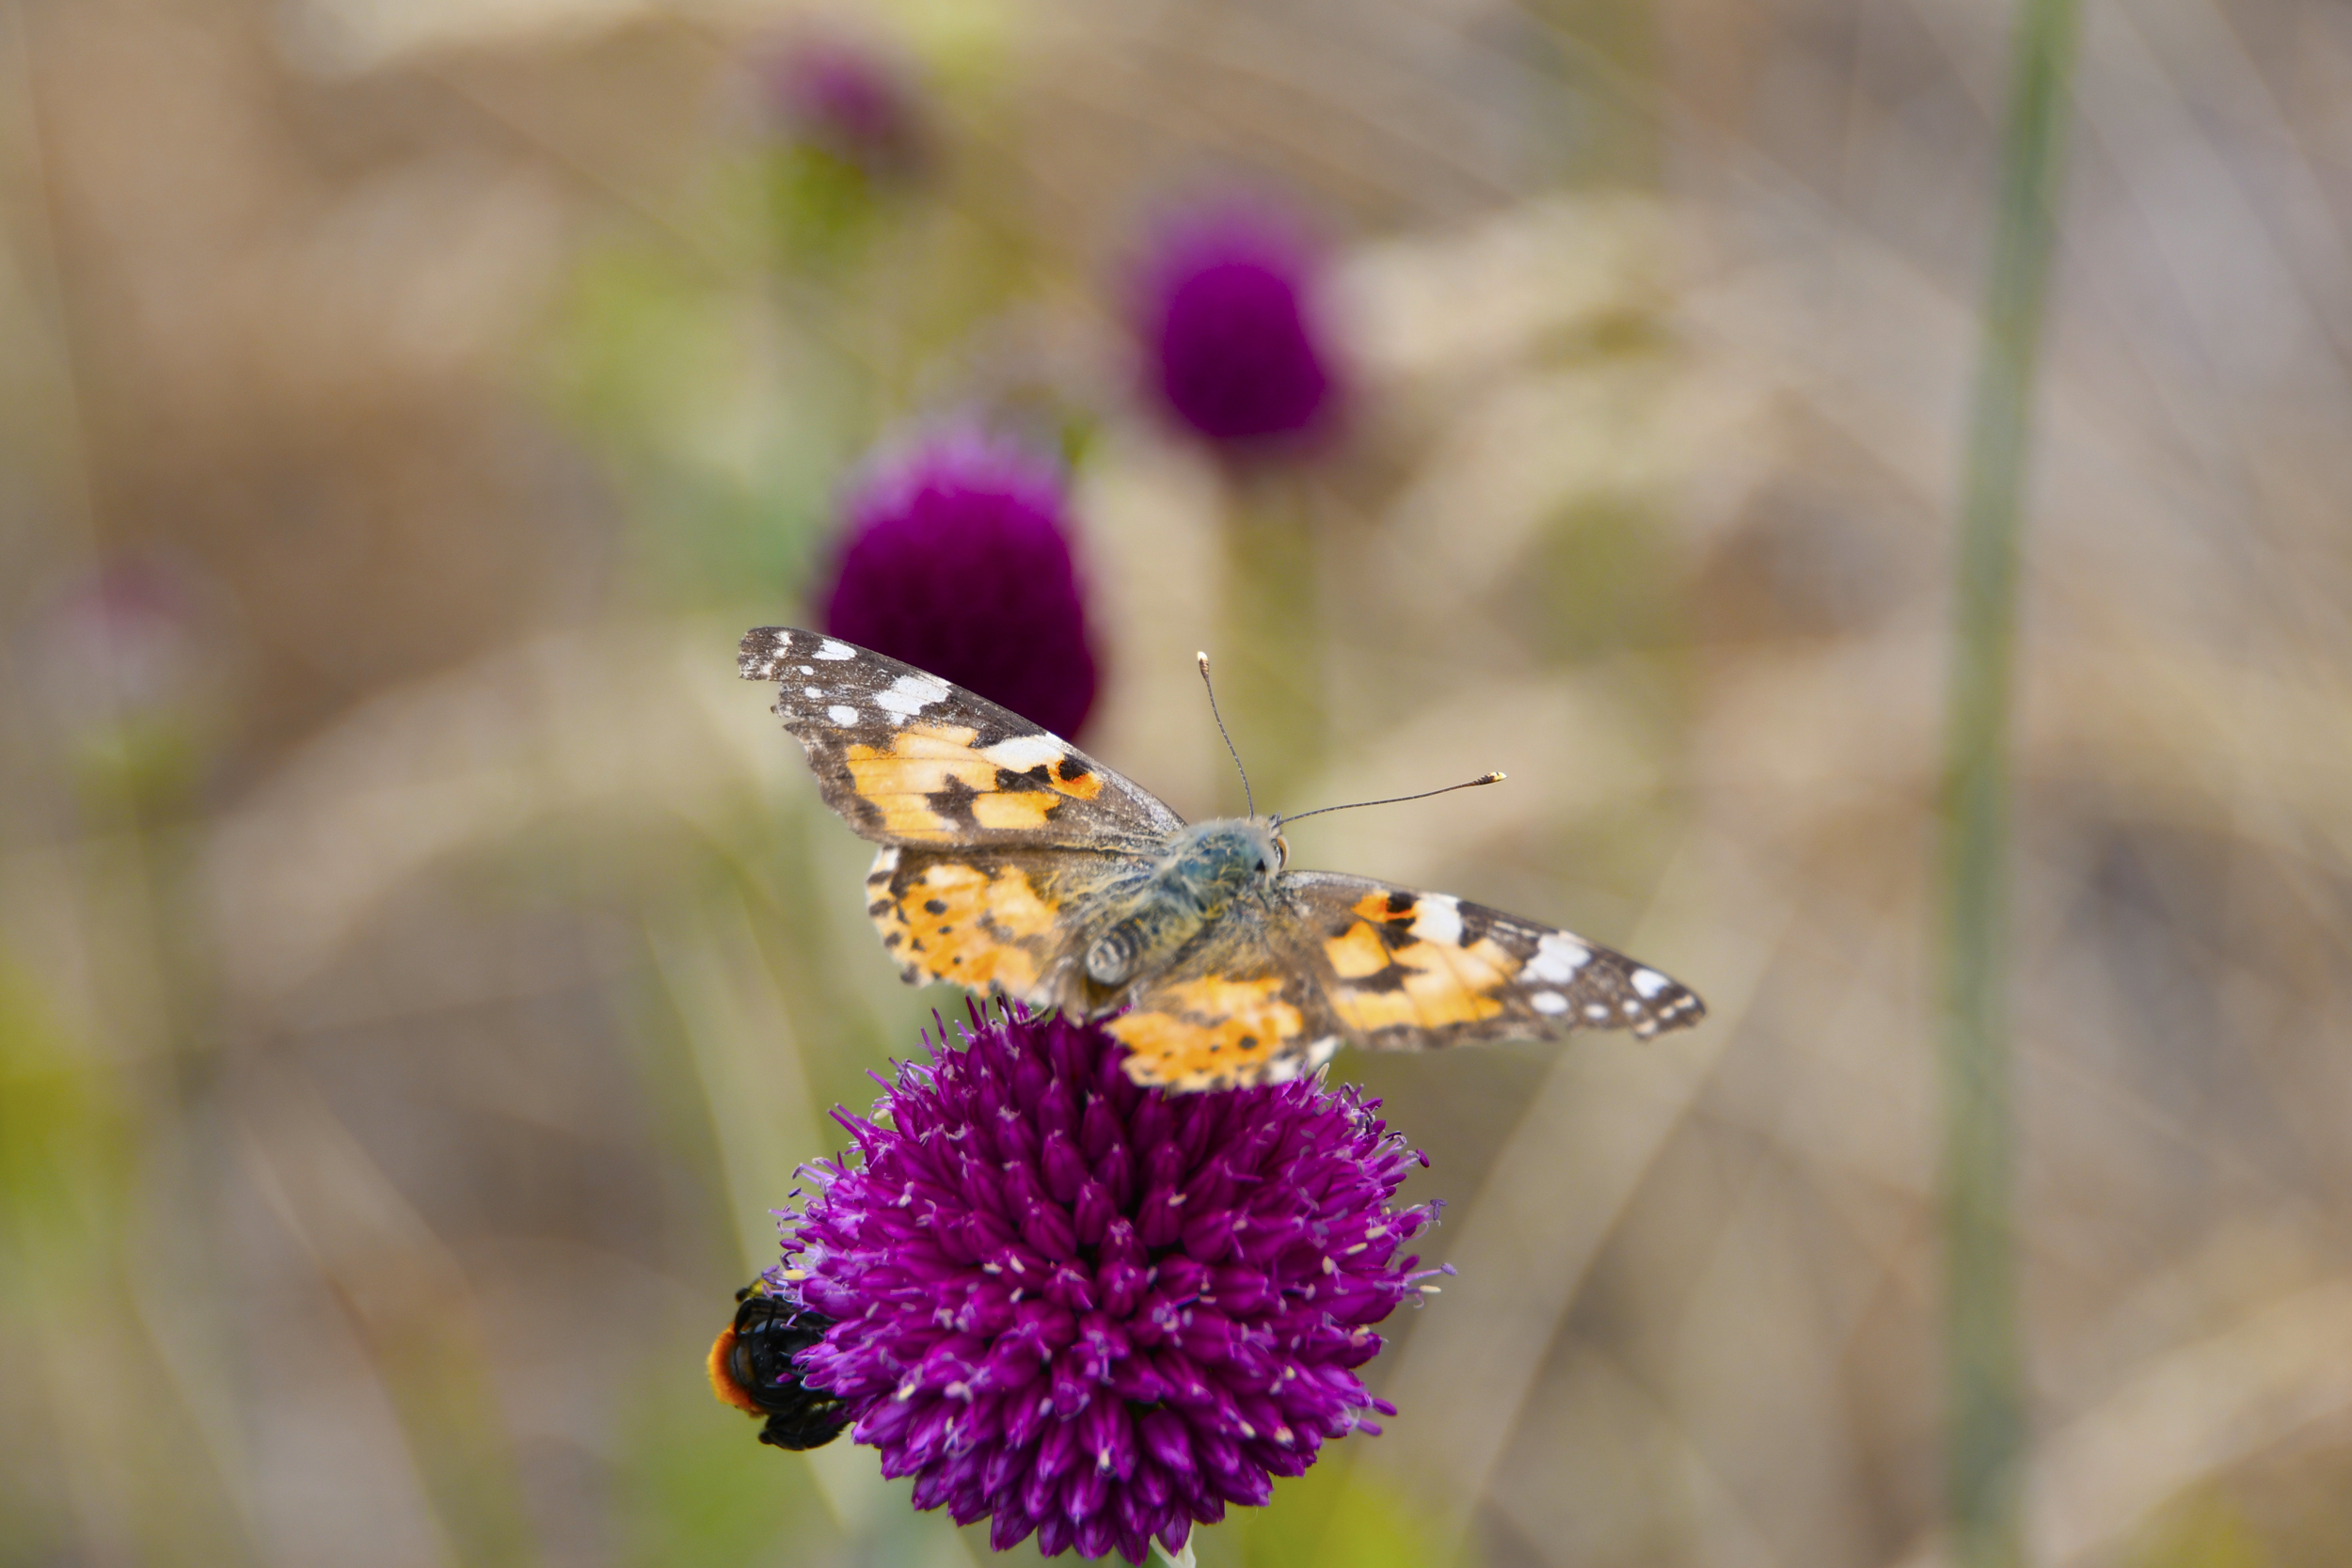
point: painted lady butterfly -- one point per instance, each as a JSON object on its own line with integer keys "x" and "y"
{"x": 1013, "y": 861}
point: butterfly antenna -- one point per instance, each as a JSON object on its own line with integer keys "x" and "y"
{"x": 1249, "y": 800}
{"x": 1394, "y": 799}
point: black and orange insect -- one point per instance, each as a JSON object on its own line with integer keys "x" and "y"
{"x": 751, "y": 1368}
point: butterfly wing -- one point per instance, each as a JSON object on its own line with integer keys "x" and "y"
{"x": 1272, "y": 991}
{"x": 1415, "y": 971}
{"x": 1240, "y": 1005}
{"x": 1015, "y": 921}
{"x": 908, "y": 758}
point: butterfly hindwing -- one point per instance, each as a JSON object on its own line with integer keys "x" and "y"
{"x": 1237, "y": 1007}
{"x": 1014, "y": 920}
{"x": 908, "y": 758}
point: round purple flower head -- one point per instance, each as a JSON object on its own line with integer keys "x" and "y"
{"x": 1093, "y": 1310}
{"x": 849, "y": 97}
{"x": 956, "y": 558}
{"x": 1227, "y": 315}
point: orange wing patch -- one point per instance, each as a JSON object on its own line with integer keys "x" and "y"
{"x": 1026, "y": 808}
{"x": 1437, "y": 987}
{"x": 1357, "y": 953}
{"x": 1430, "y": 980}
{"x": 963, "y": 922}
{"x": 927, "y": 760}
{"x": 1200, "y": 1033}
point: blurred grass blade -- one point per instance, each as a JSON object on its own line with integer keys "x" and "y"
{"x": 1986, "y": 1426}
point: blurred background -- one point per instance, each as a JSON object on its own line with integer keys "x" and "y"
{"x": 422, "y": 963}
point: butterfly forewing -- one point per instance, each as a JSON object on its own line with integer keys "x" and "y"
{"x": 1411, "y": 970}
{"x": 908, "y": 758}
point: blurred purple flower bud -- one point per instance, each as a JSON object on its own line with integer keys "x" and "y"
{"x": 1227, "y": 311}
{"x": 851, "y": 98}
{"x": 956, "y": 558}
{"x": 122, "y": 637}
{"x": 1091, "y": 1310}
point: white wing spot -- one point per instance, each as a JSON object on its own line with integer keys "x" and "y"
{"x": 1024, "y": 752}
{"x": 1557, "y": 956}
{"x": 911, "y": 694}
{"x": 1322, "y": 1051}
{"x": 812, "y": 692}
{"x": 1548, "y": 1001}
{"x": 1438, "y": 917}
{"x": 830, "y": 649}
{"x": 808, "y": 668}
{"x": 840, "y": 715}
{"x": 1649, "y": 982}
{"x": 1631, "y": 1008}
{"x": 1595, "y": 1011}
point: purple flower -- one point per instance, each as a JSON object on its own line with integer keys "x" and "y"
{"x": 1093, "y": 1310}
{"x": 956, "y": 558}
{"x": 850, "y": 98}
{"x": 1227, "y": 315}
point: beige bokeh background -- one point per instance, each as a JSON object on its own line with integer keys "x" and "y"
{"x": 422, "y": 974}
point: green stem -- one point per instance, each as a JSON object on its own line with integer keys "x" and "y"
{"x": 1268, "y": 655}
{"x": 1985, "y": 1435}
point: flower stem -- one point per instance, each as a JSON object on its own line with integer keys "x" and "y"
{"x": 1269, "y": 646}
{"x": 1985, "y": 1433}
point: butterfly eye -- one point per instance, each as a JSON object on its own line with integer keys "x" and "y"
{"x": 1282, "y": 852}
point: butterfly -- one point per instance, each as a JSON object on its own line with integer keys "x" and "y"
{"x": 1012, "y": 862}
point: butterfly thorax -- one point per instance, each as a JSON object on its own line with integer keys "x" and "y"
{"x": 1205, "y": 869}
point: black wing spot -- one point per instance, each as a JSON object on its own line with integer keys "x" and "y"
{"x": 879, "y": 906}
{"x": 935, "y": 906}
{"x": 892, "y": 938}
{"x": 1071, "y": 769}
{"x": 1400, "y": 903}
{"x": 953, "y": 802}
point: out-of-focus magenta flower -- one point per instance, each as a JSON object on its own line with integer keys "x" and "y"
{"x": 122, "y": 660}
{"x": 1228, "y": 315}
{"x": 956, "y": 558}
{"x": 851, "y": 98}
{"x": 1091, "y": 1310}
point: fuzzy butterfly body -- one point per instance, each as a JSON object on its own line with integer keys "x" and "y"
{"x": 1014, "y": 863}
